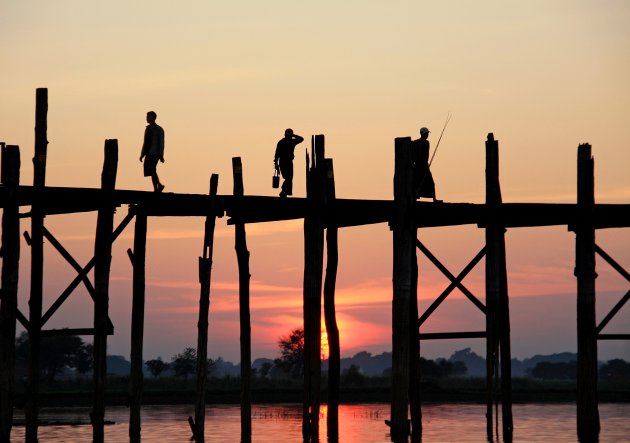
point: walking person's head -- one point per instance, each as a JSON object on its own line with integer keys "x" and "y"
{"x": 151, "y": 116}
{"x": 288, "y": 133}
{"x": 424, "y": 132}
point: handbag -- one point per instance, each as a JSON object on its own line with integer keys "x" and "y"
{"x": 275, "y": 180}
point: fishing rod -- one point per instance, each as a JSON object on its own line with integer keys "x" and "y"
{"x": 448, "y": 119}
{"x": 419, "y": 188}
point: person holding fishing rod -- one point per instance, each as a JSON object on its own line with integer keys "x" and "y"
{"x": 423, "y": 184}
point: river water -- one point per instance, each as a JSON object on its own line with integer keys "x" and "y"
{"x": 358, "y": 423}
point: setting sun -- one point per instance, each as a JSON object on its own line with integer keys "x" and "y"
{"x": 324, "y": 349}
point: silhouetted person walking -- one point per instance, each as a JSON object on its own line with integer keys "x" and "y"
{"x": 423, "y": 184}
{"x": 283, "y": 160}
{"x": 153, "y": 150}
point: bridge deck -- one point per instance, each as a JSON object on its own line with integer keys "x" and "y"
{"x": 342, "y": 212}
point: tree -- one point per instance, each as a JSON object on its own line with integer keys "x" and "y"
{"x": 615, "y": 370}
{"x": 184, "y": 364}
{"x": 84, "y": 360}
{"x": 21, "y": 346}
{"x": 56, "y": 353}
{"x": 352, "y": 377}
{"x": 210, "y": 366}
{"x": 475, "y": 364}
{"x": 555, "y": 371}
{"x": 59, "y": 352}
{"x": 291, "y": 359}
{"x": 265, "y": 369}
{"x": 156, "y": 366}
{"x": 458, "y": 369}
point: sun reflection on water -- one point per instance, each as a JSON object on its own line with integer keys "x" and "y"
{"x": 358, "y": 423}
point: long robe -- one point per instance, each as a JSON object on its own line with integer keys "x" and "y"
{"x": 423, "y": 184}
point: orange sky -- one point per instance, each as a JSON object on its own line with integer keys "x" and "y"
{"x": 226, "y": 79}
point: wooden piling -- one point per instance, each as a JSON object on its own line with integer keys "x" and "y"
{"x": 242, "y": 258}
{"x": 330, "y": 316}
{"x": 313, "y": 269}
{"x": 404, "y": 256}
{"x": 497, "y": 314}
{"x": 9, "y": 293}
{"x": 103, "y": 257}
{"x": 138, "y": 261}
{"x": 37, "y": 263}
{"x": 587, "y": 411}
{"x": 505, "y": 350}
{"x": 205, "y": 273}
{"x": 415, "y": 408}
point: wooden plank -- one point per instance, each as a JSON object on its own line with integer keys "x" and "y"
{"x": 102, "y": 263}
{"x": 9, "y": 293}
{"x": 587, "y": 411}
{"x": 613, "y": 336}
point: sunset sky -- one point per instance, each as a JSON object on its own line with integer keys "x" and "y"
{"x": 226, "y": 79}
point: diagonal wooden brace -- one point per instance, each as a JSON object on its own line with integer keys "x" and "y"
{"x": 65, "y": 254}
{"x": 455, "y": 281}
{"x": 83, "y": 273}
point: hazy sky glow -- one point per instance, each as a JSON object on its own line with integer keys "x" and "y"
{"x": 226, "y": 79}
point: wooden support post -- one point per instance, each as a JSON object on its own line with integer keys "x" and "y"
{"x": 37, "y": 263}
{"x": 404, "y": 256}
{"x": 330, "y": 316}
{"x": 497, "y": 303}
{"x": 313, "y": 269}
{"x": 505, "y": 350}
{"x": 492, "y": 287}
{"x": 242, "y": 257}
{"x": 205, "y": 272}
{"x": 138, "y": 261}
{"x": 102, "y": 262}
{"x": 587, "y": 410}
{"x": 414, "y": 358}
{"x": 9, "y": 292}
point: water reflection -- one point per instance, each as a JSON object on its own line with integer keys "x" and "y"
{"x": 360, "y": 423}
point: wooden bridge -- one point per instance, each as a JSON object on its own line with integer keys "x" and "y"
{"x": 323, "y": 215}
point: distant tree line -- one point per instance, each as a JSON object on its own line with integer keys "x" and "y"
{"x": 68, "y": 353}
{"x": 616, "y": 370}
{"x": 291, "y": 363}
{"x": 62, "y": 353}
{"x": 181, "y": 365}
